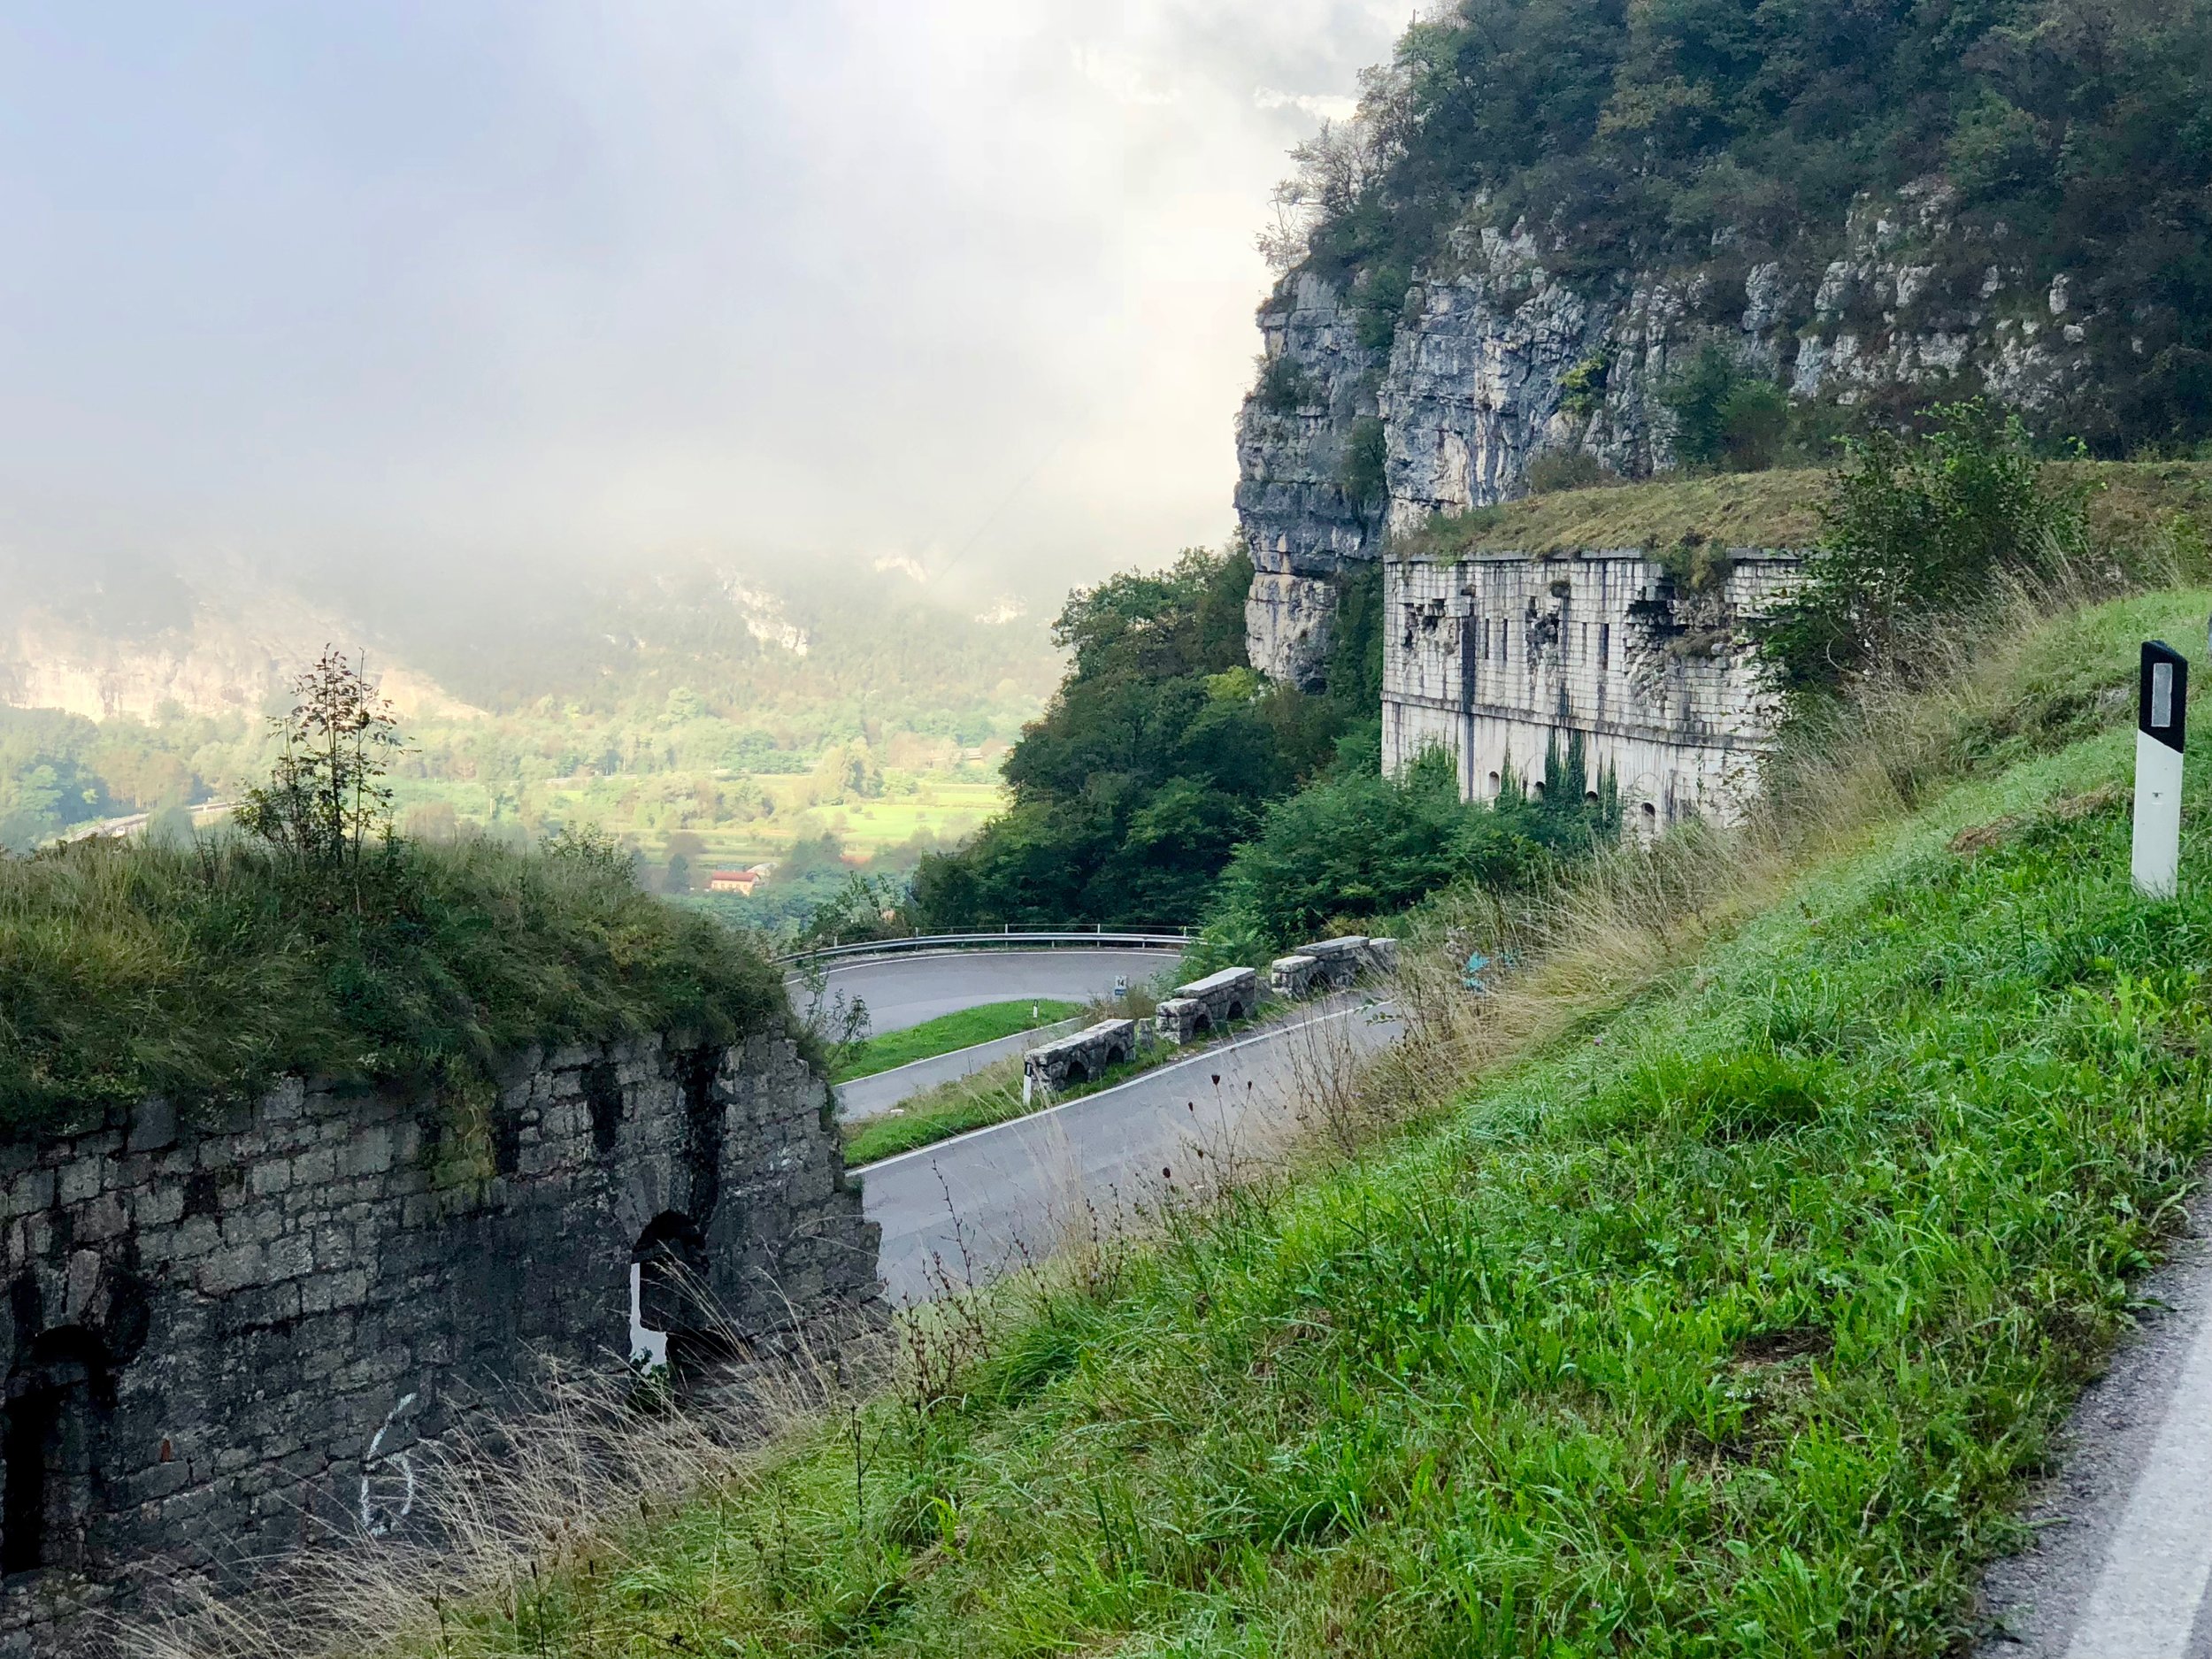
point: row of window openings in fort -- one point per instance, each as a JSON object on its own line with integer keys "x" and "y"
{"x": 1496, "y": 782}
{"x": 1505, "y": 637}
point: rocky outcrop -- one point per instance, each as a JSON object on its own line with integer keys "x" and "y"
{"x": 1301, "y": 523}
{"x": 1498, "y": 358}
{"x": 230, "y": 644}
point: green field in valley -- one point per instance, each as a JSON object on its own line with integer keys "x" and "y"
{"x": 946, "y": 1033}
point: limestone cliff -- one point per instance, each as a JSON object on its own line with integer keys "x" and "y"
{"x": 227, "y": 642}
{"x": 1497, "y": 357}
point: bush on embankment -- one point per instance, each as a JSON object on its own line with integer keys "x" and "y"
{"x": 204, "y": 972}
{"x": 1731, "y": 1321}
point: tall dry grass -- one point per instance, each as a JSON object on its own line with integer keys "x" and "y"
{"x": 564, "y": 1478}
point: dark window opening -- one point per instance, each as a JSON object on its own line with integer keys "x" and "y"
{"x": 673, "y": 1296}
{"x": 506, "y": 1140}
{"x": 202, "y": 1196}
{"x": 55, "y": 1402}
{"x": 1605, "y": 644}
{"x": 602, "y": 1094}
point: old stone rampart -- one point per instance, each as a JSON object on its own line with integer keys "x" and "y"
{"x": 1209, "y": 1004}
{"x": 226, "y": 1339}
{"x": 1081, "y": 1058}
{"x": 1496, "y": 657}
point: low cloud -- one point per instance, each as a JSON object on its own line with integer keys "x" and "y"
{"x": 426, "y": 291}
{"x": 1321, "y": 106}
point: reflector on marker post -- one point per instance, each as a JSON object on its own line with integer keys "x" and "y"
{"x": 2161, "y": 709}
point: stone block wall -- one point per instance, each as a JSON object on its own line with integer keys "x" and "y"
{"x": 1209, "y": 1004}
{"x": 225, "y": 1337}
{"x": 1081, "y": 1058}
{"x": 1493, "y": 657}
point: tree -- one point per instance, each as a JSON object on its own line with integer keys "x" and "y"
{"x": 1725, "y": 419}
{"x": 327, "y": 797}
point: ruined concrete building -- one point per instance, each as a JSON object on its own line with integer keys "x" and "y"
{"x": 1496, "y": 658}
{"x": 232, "y": 1335}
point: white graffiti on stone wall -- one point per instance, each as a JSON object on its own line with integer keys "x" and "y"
{"x": 383, "y": 1507}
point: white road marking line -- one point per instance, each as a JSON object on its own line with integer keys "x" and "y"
{"x": 1268, "y": 1035}
{"x": 2146, "y": 1598}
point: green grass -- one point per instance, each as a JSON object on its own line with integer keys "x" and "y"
{"x": 1735, "y": 1326}
{"x": 948, "y": 1032}
{"x": 2135, "y": 504}
{"x": 204, "y": 973}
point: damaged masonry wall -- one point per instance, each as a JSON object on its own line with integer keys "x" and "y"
{"x": 1492, "y": 656}
{"x": 226, "y": 1340}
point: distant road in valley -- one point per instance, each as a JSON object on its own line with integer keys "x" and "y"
{"x": 965, "y": 1210}
{"x": 903, "y": 991}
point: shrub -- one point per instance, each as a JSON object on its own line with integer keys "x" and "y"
{"x": 1286, "y": 386}
{"x": 327, "y": 795}
{"x": 1914, "y": 525}
{"x": 1361, "y": 475}
{"x": 1723, "y": 419}
{"x": 1557, "y": 470}
{"x": 1360, "y": 844}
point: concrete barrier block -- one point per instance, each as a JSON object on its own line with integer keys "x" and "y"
{"x": 1292, "y": 976}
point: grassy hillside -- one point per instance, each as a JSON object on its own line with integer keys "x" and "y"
{"x": 203, "y": 974}
{"x": 2135, "y": 504}
{"x": 1730, "y": 1321}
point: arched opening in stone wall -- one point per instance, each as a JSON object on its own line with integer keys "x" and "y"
{"x": 1203, "y": 1024}
{"x": 1493, "y": 785}
{"x": 1236, "y": 1009}
{"x": 56, "y": 1398}
{"x": 673, "y": 1315}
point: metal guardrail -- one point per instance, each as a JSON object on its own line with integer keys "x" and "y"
{"x": 1098, "y": 940}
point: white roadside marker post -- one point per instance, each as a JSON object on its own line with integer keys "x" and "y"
{"x": 2161, "y": 717}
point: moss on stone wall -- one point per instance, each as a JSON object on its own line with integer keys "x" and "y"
{"x": 204, "y": 973}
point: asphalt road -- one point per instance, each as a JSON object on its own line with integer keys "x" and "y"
{"x": 965, "y": 1210}
{"x": 903, "y": 991}
{"x": 2124, "y": 1530}
{"x": 879, "y": 1092}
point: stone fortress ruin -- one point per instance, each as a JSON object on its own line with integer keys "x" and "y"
{"x": 1501, "y": 659}
{"x": 229, "y": 1336}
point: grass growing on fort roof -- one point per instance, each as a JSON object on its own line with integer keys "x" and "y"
{"x": 203, "y": 972}
{"x": 2135, "y": 504}
{"x": 1732, "y": 1322}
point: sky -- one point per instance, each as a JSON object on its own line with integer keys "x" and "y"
{"x": 964, "y": 286}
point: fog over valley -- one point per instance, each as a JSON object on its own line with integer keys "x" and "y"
{"x": 389, "y": 297}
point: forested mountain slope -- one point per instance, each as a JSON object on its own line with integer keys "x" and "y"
{"x": 1715, "y": 232}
